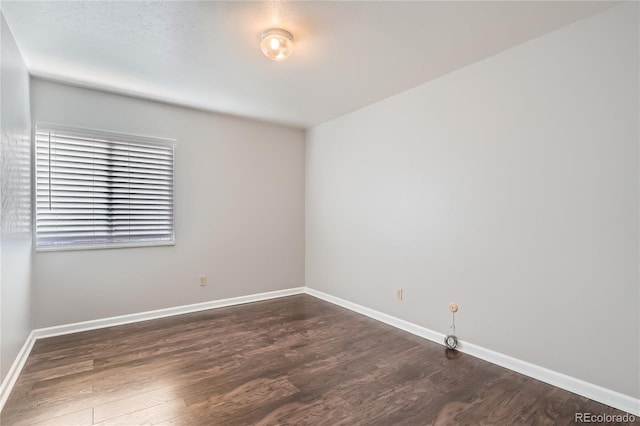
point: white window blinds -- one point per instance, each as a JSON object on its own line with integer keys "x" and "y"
{"x": 99, "y": 189}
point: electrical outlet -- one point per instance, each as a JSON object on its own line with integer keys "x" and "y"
{"x": 203, "y": 280}
{"x": 399, "y": 294}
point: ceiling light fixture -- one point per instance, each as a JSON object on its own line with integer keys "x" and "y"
{"x": 277, "y": 44}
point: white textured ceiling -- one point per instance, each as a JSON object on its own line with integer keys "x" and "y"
{"x": 207, "y": 55}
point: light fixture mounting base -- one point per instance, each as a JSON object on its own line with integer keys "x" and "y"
{"x": 276, "y": 31}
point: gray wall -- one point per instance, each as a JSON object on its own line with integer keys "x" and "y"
{"x": 15, "y": 213}
{"x": 510, "y": 187}
{"x": 239, "y": 212}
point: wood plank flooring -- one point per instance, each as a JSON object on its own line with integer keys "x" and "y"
{"x": 291, "y": 361}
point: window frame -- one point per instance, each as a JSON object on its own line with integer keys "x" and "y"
{"x": 110, "y": 136}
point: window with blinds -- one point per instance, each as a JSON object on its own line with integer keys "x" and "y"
{"x": 97, "y": 189}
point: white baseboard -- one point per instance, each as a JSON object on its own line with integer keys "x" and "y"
{"x": 597, "y": 393}
{"x": 410, "y": 327}
{"x": 161, "y": 313}
{"x": 18, "y": 364}
{"x": 13, "y": 373}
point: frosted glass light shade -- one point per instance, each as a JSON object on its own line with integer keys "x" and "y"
{"x": 277, "y": 44}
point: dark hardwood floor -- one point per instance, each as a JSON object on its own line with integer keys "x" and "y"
{"x": 291, "y": 361}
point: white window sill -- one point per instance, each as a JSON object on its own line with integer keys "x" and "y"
{"x": 104, "y": 246}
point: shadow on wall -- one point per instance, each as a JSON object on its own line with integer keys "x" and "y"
{"x": 16, "y": 185}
